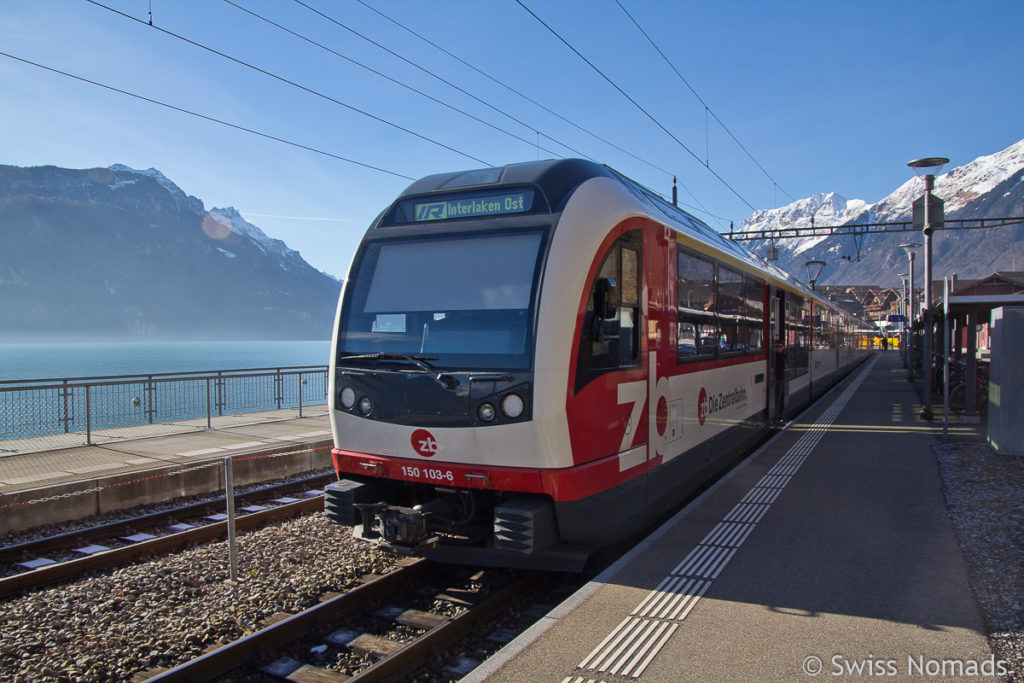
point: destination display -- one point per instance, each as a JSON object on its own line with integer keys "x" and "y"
{"x": 468, "y": 207}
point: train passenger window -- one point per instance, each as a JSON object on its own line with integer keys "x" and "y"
{"x": 824, "y": 330}
{"x": 797, "y": 332}
{"x": 753, "y": 320}
{"x": 697, "y": 332}
{"x": 610, "y": 343}
{"x": 730, "y": 312}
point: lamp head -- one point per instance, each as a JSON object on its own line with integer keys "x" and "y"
{"x": 928, "y": 165}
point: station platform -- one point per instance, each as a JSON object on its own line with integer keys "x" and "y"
{"x": 827, "y": 554}
{"x": 47, "y": 480}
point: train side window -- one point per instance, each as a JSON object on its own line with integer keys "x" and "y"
{"x": 609, "y": 343}
{"x": 730, "y": 312}
{"x": 697, "y": 331}
{"x": 797, "y": 332}
{"x": 753, "y": 320}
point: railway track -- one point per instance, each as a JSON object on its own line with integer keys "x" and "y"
{"x": 415, "y": 636}
{"x": 173, "y": 529}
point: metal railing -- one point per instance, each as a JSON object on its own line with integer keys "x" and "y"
{"x": 44, "y": 407}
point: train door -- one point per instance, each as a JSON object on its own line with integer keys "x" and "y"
{"x": 777, "y": 355}
{"x": 606, "y": 408}
{"x": 610, "y": 390}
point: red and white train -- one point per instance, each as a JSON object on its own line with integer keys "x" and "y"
{"x": 534, "y": 361}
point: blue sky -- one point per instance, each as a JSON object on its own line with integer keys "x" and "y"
{"x": 826, "y": 96}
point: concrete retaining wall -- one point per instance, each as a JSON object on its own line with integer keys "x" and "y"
{"x": 74, "y": 501}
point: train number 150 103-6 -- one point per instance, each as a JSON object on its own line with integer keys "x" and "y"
{"x": 428, "y": 473}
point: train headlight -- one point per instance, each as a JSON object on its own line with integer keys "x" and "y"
{"x": 486, "y": 412}
{"x": 365, "y": 405}
{"x": 348, "y": 398}
{"x": 512, "y": 405}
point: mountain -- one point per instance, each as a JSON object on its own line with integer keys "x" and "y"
{"x": 120, "y": 254}
{"x": 990, "y": 186}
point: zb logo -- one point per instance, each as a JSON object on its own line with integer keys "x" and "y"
{"x": 703, "y": 406}
{"x": 435, "y": 211}
{"x": 424, "y": 443}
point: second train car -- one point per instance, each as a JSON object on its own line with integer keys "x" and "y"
{"x": 533, "y": 361}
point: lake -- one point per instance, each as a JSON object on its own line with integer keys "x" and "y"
{"x": 59, "y": 360}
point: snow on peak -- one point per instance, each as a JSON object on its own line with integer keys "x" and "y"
{"x": 964, "y": 183}
{"x": 232, "y": 219}
{"x": 152, "y": 173}
{"x": 822, "y": 209}
{"x": 177, "y": 194}
{"x": 958, "y": 186}
{"x": 818, "y": 209}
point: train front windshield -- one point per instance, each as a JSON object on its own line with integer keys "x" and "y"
{"x": 457, "y": 302}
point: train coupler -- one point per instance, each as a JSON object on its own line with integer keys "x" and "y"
{"x": 397, "y": 529}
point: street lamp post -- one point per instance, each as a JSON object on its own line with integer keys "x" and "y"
{"x": 909, "y": 247}
{"x": 930, "y": 217}
{"x": 904, "y": 315}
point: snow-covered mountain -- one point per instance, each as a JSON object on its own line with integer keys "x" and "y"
{"x": 818, "y": 209}
{"x": 113, "y": 253}
{"x": 989, "y": 186}
{"x": 231, "y": 220}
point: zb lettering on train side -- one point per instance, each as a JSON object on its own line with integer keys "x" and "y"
{"x": 655, "y": 393}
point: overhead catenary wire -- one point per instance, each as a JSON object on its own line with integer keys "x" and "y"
{"x": 707, "y": 108}
{"x": 511, "y": 89}
{"x": 439, "y": 78}
{"x": 388, "y": 78}
{"x": 292, "y": 83}
{"x": 433, "y": 44}
{"x": 636, "y": 104}
{"x": 205, "y": 117}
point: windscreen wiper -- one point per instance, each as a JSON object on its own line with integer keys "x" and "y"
{"x": 445, "y": 380}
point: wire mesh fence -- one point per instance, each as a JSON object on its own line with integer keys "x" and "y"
{"x": 33, "y": 408}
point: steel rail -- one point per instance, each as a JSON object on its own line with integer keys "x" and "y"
{"x": 119, "y": 557}
{"x": 236, "y": 654}
{"x": 410, "y": 657}
{"x": 11, "y": 554}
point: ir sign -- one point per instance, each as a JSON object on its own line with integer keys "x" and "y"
{"x": 424, "y": 443}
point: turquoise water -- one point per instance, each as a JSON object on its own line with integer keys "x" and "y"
{"x": 48, "y": 361}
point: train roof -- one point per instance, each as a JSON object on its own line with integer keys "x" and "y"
{"x": 557, "y": 178}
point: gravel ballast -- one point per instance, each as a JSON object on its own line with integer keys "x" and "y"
{"x": 171, "y": 609}
{"x": 984, "y": 498}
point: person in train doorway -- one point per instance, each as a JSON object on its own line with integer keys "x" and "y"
{"x": 885, "y": 344}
